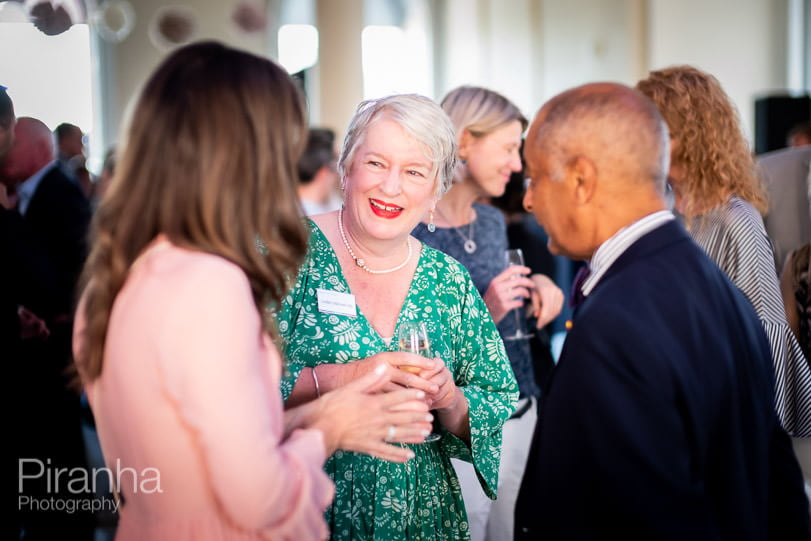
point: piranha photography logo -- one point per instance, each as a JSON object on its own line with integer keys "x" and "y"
{"x": 44, "y": 487}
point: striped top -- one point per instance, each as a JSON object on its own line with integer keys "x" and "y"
{"x": 733, "y": 235}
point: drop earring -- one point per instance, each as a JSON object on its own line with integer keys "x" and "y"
{"x": 431, "y": 226}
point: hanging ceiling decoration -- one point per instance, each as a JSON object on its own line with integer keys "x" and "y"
{"x": 50, "y": 18}
{"x": 172, "y": 26}
{"x": 250, "y": 16}
{"x": 114, "y": 20}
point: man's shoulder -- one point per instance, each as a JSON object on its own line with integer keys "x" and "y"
{"x": 57, "y": 188}
{"x": 786, "y": 166}
{"x": 55, "y": 176}
{"x": 785, "y": 156}
{"x": 663, "y": 264}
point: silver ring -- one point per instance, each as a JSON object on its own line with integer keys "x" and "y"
{"x": 392, "y": 432}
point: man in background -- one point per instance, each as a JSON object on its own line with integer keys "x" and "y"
{"x": 799, "y": 135}
{"x": 787, "y": 174}
{"x": 318, "y": 178}
{"x": 69, "y": 146}
{"x": 53, "y": 217}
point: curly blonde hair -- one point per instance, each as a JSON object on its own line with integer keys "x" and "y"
{"x": 709, "y": 144}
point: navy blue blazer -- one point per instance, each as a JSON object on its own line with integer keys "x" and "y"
{"x": 659, "y": 422}
{"x": 58, "y": 218}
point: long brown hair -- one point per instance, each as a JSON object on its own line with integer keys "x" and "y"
{"x": 209, "y": 160}
{"x": 710, "y": 145}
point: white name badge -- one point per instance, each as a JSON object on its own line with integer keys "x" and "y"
{"x": 334, "y": 302}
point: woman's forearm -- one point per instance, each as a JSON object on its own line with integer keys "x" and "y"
{"x": 456, "y": 418}
{"x": 297, "y": 417}
{"x": 328, "y": 376}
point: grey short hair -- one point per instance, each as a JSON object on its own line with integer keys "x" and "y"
{"x": 421, "y": 118}
{"x": 617, "y": 118}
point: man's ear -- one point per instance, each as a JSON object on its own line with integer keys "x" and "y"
{"x": 582, "y": 176}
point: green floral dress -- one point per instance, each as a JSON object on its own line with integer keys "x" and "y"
{"x": 419, "y": 500}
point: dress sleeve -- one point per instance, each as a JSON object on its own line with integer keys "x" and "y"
{"x": 747, "y": 259}
{"x": 222, "y": 373}
{"x": 483, "y": 373}
{"x": 295, "y": 305}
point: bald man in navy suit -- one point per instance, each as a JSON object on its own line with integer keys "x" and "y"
{"x": 54, "y": 216}
{"x": 659, "y": 422}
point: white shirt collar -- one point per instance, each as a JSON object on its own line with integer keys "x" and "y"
{"x": 610, "y": 250}
{"x": 26, "y": 190}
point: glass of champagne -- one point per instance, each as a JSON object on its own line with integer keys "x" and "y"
{"x": 413, "y": 338}
{"x": 516, "y": 257}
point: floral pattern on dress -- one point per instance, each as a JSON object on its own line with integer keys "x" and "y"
{"x": 419, "y": 500}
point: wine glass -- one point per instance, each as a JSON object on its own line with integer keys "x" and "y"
{"x": 516, "y": 257}
{"x": 413, "y": 338}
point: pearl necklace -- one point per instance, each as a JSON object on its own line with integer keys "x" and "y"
{"x": 470, "y": 244}
{"x": 359, "y": 261}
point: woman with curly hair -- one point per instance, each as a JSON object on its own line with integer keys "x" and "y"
{"x": 720, "y": 198}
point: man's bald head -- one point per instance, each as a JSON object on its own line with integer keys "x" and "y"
{"x": 613, "y": 125}
{"x": 33, "y": 149}
{"x": 597, "y": 156}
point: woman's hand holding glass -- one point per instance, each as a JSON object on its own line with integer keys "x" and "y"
{"x": 445, "y": 397}
{"x": 547, "y": 299}
{"x": 405, "y": 370}
{"x": 413, "y": 338}
{"x": 507, "y": 291}
{"x": 358, "y": 417}
{"x": 514, "y": 259}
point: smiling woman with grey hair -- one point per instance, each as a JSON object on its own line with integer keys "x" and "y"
{"x": 364, "y": 278}
{"x": 421, "y": 119}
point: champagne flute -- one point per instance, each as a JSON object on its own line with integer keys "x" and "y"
{"x": 516, "y": 257}
{"x": 413, "y": 338}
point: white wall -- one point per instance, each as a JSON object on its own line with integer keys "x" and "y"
{"x": 591, "y": 40}
{"x": 124, "y": 66}
{"x": 741, "y": 42}
{"x": 492, "y": 43}
{"x": 529, "y": 50}
{"x": 532, "y": 49}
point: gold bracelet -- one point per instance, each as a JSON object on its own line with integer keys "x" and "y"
{"x": 317, "y": 388}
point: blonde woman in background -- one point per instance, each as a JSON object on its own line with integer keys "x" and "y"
{"x": 488, "y": 129}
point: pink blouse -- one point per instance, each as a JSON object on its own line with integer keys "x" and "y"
{"x": 189, "y": 413}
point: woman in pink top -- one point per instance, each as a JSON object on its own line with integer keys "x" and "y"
{"x": 171, "y": 341}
